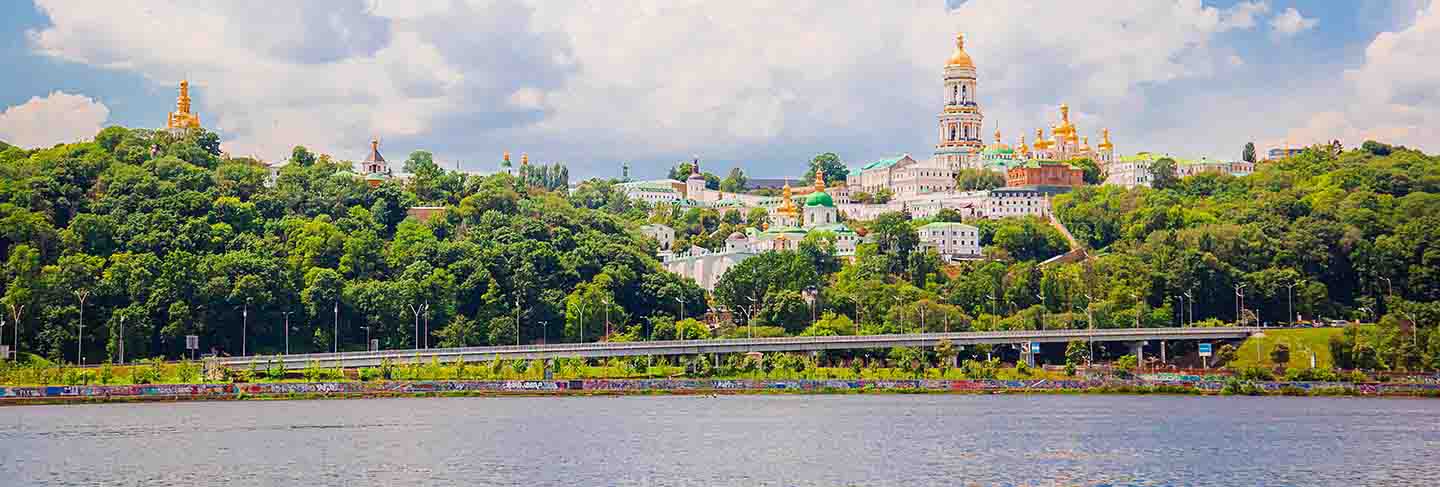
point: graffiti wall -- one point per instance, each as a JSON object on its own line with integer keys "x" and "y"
{"x": 222, "y": 391}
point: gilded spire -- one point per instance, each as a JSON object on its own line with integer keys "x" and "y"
{"x": 507, "y": 157}
{"x": 1105, "y": 144}
{"x": 820, "y": 180}
{"x": 960, "y": 58}
{"x": 997, "y": 136}
{"x": 524, "y": 159}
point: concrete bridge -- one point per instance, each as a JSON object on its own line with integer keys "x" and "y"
{"x": 1137, "y": 337}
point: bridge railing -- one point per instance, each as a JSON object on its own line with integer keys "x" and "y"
{"x": 880, "y": 341}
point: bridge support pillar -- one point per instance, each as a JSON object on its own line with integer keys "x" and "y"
{"x": 1138, "y": 350}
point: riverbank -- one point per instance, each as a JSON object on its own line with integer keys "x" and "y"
{"x": 601, "y": 387}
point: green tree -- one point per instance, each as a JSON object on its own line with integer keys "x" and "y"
{"x": 1162, "y": 173}
{"x": 835, "y": 171}
{"x": 1248, "y": 155}
{"x": 734, "y": 182}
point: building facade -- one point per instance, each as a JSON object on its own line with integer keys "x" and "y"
{"x": 951, "y": 240}
{"x": 1035, "y": 173}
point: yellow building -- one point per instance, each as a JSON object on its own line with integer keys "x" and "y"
{"x": 182, "y": 118}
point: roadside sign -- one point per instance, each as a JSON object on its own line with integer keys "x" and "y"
{"x": 1204, "y": 349}
{"x": 192, "y": 342}
{"x": 1034, "y": 347}
{"x": 374, "y": 344}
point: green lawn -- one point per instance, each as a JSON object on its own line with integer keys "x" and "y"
{"x": 1301, "y": 343}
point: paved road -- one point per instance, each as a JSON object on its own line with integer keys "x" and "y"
{"x": 743, "y": 345}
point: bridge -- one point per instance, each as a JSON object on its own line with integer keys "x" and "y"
{"x": 1135, "y": 336}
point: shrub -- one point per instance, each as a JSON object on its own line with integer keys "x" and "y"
{"x": 1255, "y": 373}
{"x": 187, "y": 371}
{"x": 106, "y": 374}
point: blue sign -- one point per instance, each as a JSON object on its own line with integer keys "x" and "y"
{"x": 1034, "y": 347}
{"x": 1204, "y": 349}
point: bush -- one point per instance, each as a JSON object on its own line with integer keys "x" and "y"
{"x": 187, "y": 371}
{"x": 315, "y": 373}
{"x": 1255, "y": 373}
{"x": 1311, "y": 375}
{"x": 106, "y": 374}
{"x": 147, "y": 371}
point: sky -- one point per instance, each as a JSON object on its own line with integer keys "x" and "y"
{"x": 755, "y": 84}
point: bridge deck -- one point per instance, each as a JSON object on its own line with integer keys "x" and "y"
{"x": 742, "y": 345}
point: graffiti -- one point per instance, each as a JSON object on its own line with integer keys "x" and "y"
{"x": 1205, "y": 384}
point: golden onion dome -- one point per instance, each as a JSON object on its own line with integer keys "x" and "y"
{"x": 1105, "y": 144}
{"x": 1085, "y": 144}
{"x": 960, "y": 58}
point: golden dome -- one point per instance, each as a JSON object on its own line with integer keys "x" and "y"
{"x": 1105, "y": 144}
{"x": 1085, "y": 144}
{"x": 787, "y": 205}
{"x": 1040, "y": 142}
{"x": 1065, "y": 129}
{"x": 1022, "y": 148}
{"x": 998, "y": 144}
{"x": 960, "y": 58}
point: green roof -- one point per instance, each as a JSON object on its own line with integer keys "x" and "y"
{"x": 834, "y": 227}
{"x": 883, "y": 163}
{"x": 820, "y": 198}
{"x": 939, "y": 225}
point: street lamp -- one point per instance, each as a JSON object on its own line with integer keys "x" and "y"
{"x": 80, "y": 294}
{"x": 426, "y": 336}
{"x": 122, "y": 339}
{"x": 1181, "y": 298}
{"x": 1290, "y": 299}
{"x": 1041, "y": 295}
{"x": 15, "y": 313}
{"x": 1191, "y": 300}
{"x": 287, "y": 332}
{"x": 750, "y": 317}
{"x": 1239, "y": 304}
{"x": 606, "y": 302}
{"x": 244, "y": 327}
{"x": 416, "y": 310}
{"x": 335, "y": 332}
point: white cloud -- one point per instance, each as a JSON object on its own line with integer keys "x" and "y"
{"x": 592, "y": 82}
{"x": 1393, "y": 97}
{"x": 1291, "y": 22}
{"x": 59, "y": 117}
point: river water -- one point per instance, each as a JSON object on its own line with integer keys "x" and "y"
{"x": 729, "y": 440}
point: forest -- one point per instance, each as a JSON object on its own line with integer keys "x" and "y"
{"x": 144, "y": 237}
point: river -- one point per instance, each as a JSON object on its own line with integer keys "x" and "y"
{"x": 729, "y": 440}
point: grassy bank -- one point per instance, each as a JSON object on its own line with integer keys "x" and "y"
{"x": 1256, "y": 350}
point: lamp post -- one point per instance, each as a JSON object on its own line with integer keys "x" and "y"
{"x": 335, "y": 332}
{"x": 415, "y": 311}
{"x": 750, "y": 318}
{"x": 287, "y": 332}
{"x": 1239, "y": 303}
{"x": 122, "y": 339}
{"x": 1090, "y": 321}
{"x": 1137, "y": 309}
{"x": 15, "y": 313}
{"x": 1181, "y": 298}
{"x": 426, "y": 336}
{"x": 606, "y": 302}
{"x": 81, "y": 294}
{"x": 1041, "y": 295}
{"x": 1191, "y": 301}
{"x": 1290, "y": 299}
{"x": 244, "y": 328}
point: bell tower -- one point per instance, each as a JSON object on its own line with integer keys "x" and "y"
{"x": 960, "y": 118}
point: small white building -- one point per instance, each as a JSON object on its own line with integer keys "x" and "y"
{"x": 662, "y": 234}
{"x": 1129, "y": 173}
{"x": 951, "y": 240}
{"x": 704, "y": 266}
{"x": 1020, "y": 201}
{"x": 654, "y": 192}
{"x": 970, "y": 204}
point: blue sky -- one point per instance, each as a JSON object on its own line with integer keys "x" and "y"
{"x": 759, "y": 85}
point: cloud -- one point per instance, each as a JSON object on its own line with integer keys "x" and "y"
{"x": 1394, "y": 96}
{"x": 746, "y": 82}
{"x": 59, "y": 117}
{"x": 1290, "y": 22}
